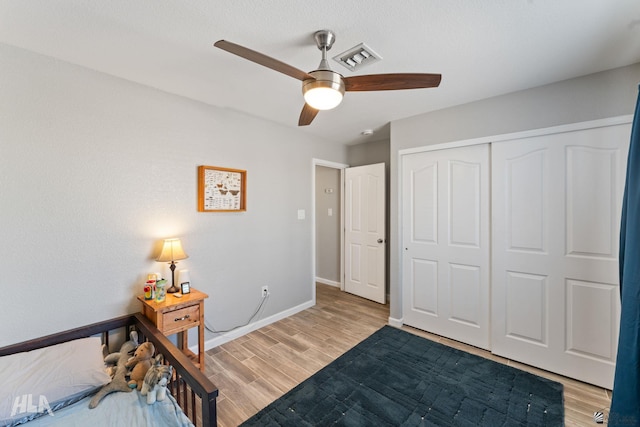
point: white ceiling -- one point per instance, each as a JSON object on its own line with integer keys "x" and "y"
{"x": 482, "y": 48}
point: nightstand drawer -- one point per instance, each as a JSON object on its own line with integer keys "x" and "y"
{"x": 179, "y": 320}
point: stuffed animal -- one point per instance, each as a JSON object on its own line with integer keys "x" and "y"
{"x": 111, "y": 370}
{"x": 140, "y": 364}
{"x": 155, "y": 381}
{"x": 119, "y": 360}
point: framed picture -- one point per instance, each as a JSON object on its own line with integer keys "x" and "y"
{"x": 185, "y": 287}
{"x": 221, "y": 189}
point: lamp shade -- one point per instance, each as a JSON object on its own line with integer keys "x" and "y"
{"x": 171, "y": 251}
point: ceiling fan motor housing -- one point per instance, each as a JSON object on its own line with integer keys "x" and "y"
{"x": 327, "y": 85}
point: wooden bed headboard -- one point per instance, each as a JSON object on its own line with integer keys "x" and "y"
{"x": 193, "y": 391}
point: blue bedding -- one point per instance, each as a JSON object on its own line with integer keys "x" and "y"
{"x": 117, "y": 409}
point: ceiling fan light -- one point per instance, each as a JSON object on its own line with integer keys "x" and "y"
{"x": 325, "y": 91}
{"x": 323, "y": 98}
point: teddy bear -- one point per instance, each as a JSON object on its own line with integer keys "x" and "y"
{"x": 155, "y": 381}
{"x": 116, "y": 360}
{"x": 140, "y": 364}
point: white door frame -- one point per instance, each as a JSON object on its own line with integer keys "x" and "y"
{"x": 341, "y": 167}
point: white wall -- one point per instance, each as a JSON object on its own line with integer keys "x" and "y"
{"x": 95, "y": 171}
{"x": 607, "y": 94}
{"x": 369, "y": 153}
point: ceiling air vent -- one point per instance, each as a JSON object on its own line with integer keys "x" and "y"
{"x": 357, "y": 57}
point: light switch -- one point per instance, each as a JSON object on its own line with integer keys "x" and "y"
{"x": 330, "y": 212}
{"x": 300, "y": 213}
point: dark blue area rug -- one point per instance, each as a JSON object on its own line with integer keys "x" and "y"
{"x": 394, "y": 378}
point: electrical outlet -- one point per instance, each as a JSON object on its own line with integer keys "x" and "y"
{"x": 265, "y": 291}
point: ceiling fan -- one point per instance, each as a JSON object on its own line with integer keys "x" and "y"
{"x": 323, "y": 88}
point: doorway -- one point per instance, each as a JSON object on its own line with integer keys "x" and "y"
{"x": 329, "y": 223}
{"x": 328, "y": 198}
{"x": 327, "y": 217}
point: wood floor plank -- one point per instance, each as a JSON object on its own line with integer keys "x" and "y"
{"x": 297, "y": 359}
{"x": 261, "y": 366}
{"x": 260, "y": 392}
{"x": 308, "y": 328}
{"x": 277, "y": 362}
{"x": 236, "y": 393}
{"x": 319, "y": 356}
{"x": 321, "y": 346}
{"x": 286, "y": 326}
{"x": 211, "y": 365}
{"x": 235, "y": 367}
{"x": 229, "y": 415}
{"x": 259, "y": 350}
{"x": 294, "y": 371}
{"x": 236, "y": 349}
{"x": 277, "y": 378}
{"x": 287, "y": 340}
{"x": 261, "y": 336}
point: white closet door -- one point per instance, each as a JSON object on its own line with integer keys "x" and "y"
{"x": 445, "y": 220}
{"x": 556, "y": 202}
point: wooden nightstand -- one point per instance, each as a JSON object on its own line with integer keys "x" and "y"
{"x": 176, "y": 316}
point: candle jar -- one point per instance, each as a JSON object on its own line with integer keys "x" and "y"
{"x": 161, "y": 290}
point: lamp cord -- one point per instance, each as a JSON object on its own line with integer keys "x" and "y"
{"x": 255, "y": 313}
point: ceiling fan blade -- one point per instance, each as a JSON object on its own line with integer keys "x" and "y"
{"x": 391, "y": 81}
{"x": 307, "y": 115}
{"x": 263, "y": 60}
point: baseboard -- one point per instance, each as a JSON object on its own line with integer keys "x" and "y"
{"x": 396, "y": 323}
{"x": 327, "y": 282}
{"x": 237, "y": 333}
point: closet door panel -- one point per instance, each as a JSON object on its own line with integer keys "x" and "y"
{"x": 465, "y": 287}
{"x": 526, "y": 308}
{"x": 556, "y": 202}
{"x": 424, "y": 282}
{"x": 526, "y": 187}
{"x": 591, "y": 333}
{"x": 464, "y": 204}
{"x": 445, "y": 220}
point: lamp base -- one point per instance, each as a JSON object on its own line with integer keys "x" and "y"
{"x": 173, "y": 289}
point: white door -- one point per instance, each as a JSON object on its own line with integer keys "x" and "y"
{"x": 365, "y": 234}
{"x": 556, "y": 203}
{"x": 445, "y": 238}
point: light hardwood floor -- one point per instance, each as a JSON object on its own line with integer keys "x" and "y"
{"x": 256, "y": 369}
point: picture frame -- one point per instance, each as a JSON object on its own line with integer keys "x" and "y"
{"x": 185, "y": 288}
{"x": 222, "y": 189}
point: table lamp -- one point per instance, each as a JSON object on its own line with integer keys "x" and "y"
{"x": 171, "y": 252}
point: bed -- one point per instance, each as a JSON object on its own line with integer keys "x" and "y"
{"x": 192, "y": 399}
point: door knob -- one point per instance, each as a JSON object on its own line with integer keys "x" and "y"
{"x": 380, "y": 241}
